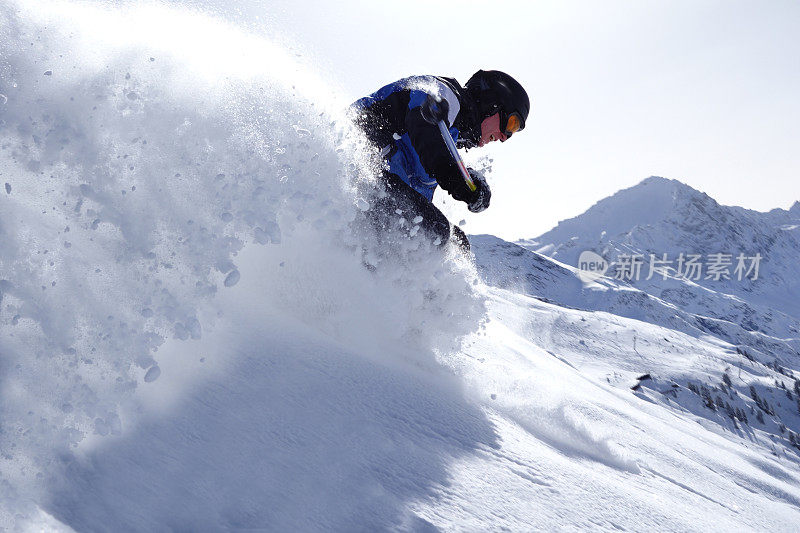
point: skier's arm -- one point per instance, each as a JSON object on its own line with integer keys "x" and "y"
{"x": 434, "y": 156}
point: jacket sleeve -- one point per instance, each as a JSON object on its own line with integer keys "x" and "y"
{"x": 435, "y": 157}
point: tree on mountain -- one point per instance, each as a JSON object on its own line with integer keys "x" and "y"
{"x": 726, "y": 379}
{"x": 720, "y": 403}
{"x": 754, "y": 395}
{"x": 731, "y": 414}
{"x": 744, "y": 353}
{"x": 708, "y": 401}
{"x": 760, "y": 417}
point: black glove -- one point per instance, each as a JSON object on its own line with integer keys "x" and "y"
{"x": 481, "y": 195}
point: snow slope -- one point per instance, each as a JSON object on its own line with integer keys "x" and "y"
{"x": 198, "y": 331}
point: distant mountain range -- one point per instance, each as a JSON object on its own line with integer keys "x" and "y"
{"x": 667, "y": 219}
{"x": 757, "y": 316}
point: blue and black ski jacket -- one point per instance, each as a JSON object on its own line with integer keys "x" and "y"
{"x": 413, "y": 148}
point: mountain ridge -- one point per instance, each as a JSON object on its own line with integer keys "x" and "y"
{"x": 652, "y": 199}
{"x": 661, "y": 216}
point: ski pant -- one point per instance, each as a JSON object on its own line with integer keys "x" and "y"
{"x": 400, "y": 196}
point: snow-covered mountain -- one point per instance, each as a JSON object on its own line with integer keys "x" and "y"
{"x": 660, "y": 216}
{"x": 197, "y": 332}
{"x": 755, "y": 322}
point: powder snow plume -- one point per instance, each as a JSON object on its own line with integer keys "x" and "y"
{"x": 153, "y": 158}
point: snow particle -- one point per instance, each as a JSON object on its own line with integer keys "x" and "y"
{"x": 100, "y": 427}
{"x": 274, "y": 232}
{"x": 194, "y": 328}
{"x": 48, "y": 72}
{"x": 3, "y": 99}
{"x": 261, "y": 236}
{"x": 152, "y": 374}
{"x": 232, "y": 278}
{"x": 181, "y": 332}
{"x": 417, "y": 219}
{"x": 8, "y": 188}
{"x": 362, "y": 205}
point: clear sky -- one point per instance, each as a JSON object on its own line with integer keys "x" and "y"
{"x": 703, "y": 91}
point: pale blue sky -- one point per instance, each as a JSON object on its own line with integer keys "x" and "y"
{"x": 702, "y": 91}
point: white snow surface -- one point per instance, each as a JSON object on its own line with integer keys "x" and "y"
{"x": 197, "y": 331}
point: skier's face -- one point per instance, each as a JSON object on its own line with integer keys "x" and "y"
{"x": 490, "y": 130}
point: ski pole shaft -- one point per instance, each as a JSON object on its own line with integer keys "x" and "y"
{"x": 435, "y": 111}
{"x": 448, "y": 140}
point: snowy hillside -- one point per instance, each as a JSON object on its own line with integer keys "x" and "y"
{"x": 198, "y": 332}
{"x": 752, "y": 373}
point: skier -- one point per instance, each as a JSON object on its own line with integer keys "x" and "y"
{"x": 492, "y": 106}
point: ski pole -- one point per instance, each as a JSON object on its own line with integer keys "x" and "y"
{"x": 435, "y": 112}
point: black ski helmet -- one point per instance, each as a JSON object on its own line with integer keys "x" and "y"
{"x": 496, "y": 91}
